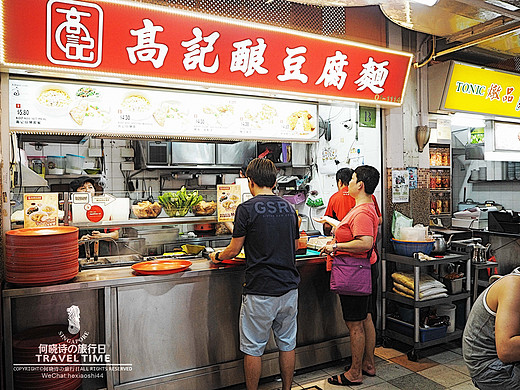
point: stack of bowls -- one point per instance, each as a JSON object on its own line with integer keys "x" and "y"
{"x": 27, "y": 353}
{"x": 41, "y": 256}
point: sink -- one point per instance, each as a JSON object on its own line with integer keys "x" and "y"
{"x": 110, "y": 261}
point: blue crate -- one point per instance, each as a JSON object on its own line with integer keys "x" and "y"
{"x": 406, "y": 329}
{"x": 408, "y": 248}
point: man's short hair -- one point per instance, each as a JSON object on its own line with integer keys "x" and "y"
{"x": 243, "y": 168}
{"x": 369, "y": 176}
{"x": 344, "y": 174}
{"x": 262, "y": 172}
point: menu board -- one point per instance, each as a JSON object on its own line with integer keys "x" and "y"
{"x": 228, "y": 199}
{"x": 40, "y": 210}
{"x": 99, "y": 109}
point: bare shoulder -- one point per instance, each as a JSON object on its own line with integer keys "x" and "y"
{"x": 506, "y": 289}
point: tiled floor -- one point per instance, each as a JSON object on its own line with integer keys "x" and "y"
{"x": 438, "y": 368}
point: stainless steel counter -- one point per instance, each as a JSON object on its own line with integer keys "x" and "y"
{"x": 180, "y": 330}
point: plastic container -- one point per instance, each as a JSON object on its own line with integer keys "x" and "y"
{"x": 56, "y": 165}
{"x": 454, "y": 286}
{"x": 74, "y": 164}
{"x": 448, "y": 309}
{"x": 408, "y": 248}
{"x": 406, "y": 329}
{"x": 302, "y": 244}
{"x": 415, "y": 233}
{"x": 406, "y": 313}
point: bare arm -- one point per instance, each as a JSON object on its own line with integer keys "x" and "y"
{"x": 359, "y": 244}
{"x": 507, "y": 322}
{"x": 114, "y": 235}
{"x": 231, "y": 251}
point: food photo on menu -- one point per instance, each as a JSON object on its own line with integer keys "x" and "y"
{"x": 302, "y": 122}
{"x": 172, "y": 113}
{"x": 88, "y": 110}
{"x": 53, "y": 100}
{"x": 261, "y": 118}
{"x": 137, "y": 105}
{"x": 219, "y": 115}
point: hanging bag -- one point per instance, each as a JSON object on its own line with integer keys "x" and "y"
{"x": 351, "y": 275}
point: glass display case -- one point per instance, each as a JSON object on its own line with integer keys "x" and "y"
{"x": 440, "y": 180}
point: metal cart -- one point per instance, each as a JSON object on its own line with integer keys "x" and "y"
{"x": 415, "y": 341}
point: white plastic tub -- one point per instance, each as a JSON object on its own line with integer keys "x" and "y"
{"x": 448, "y": 310}
{"x": 56, "y": 165}
{"x": 75, "y": 164}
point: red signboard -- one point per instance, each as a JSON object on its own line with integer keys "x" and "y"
{"x": 147, "y": 41}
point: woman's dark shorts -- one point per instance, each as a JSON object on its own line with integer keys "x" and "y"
{"x": 355, "y": 308}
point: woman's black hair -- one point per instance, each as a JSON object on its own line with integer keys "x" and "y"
{"x": 76, "y": 183}
{"x": 369, "y": 176}
{"x": 344, "y": 174}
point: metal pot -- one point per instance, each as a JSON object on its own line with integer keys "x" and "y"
{"x": 480, "y": 253}
{"x": 130, "y": 246}
{"x": 440, "y": 246}
{"x": 204, "y": 227}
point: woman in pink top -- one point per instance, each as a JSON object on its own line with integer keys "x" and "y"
{"x": 355, "y": 236}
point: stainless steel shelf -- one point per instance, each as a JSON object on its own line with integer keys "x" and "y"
{"x": 436, "y": 301}
{"x": 71, "y": 176}
{"x": 149, "y": 222}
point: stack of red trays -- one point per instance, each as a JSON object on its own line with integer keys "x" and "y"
{"x": 41, "y": 256}
{"x": 33, "y": 370}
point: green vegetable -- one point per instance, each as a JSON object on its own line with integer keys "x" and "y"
{"x": 177, "y": 204}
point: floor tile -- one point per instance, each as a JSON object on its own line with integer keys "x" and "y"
{"x": 315, "y": 385}
{"x": 415, "y": 382}
{"x": 387, "y": 353}
{"x": 444, "y": 375}
{"x": 458, "y": 365}
{"x": 427, "y": 352}
{"x": 335, "y": 369}
{"x": 445, "y": 357}
{"x": 382, "y": 386}
{"x": 457, "y": 350}
{"x": 389, "y": 370}
{"x": 464, "y": 386}
{"x": 276, "y": 385}
{"x": 421, "y": 364}
{"x": 309, "y": 377}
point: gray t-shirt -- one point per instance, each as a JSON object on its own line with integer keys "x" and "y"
{"x": 478, "y": 341}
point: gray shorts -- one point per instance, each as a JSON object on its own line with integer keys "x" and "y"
{"x": 498, "y": 376}
{"x": 261, "y": 313}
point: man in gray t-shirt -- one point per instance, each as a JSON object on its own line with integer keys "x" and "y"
{"x": 491, "y": 340}
{"x": 267, "y": 227}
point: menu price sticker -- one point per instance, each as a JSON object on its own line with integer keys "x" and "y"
{"x": 40, "y": 210}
